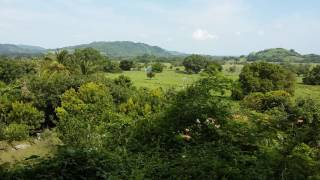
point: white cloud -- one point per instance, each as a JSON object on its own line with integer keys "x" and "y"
{"x": 201, "y": 35}
{"x": 238, "y": 33}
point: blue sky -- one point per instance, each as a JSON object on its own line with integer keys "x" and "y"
{"x": 216, "y": 27}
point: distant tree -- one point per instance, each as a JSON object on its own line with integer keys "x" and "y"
{"x": 150, "y": 73}
{"x": 264, "y": 77}
{"x": 89, "y": 60}
{"x": 157, "y": 67}
{"x": 126, "y": 65}
{"x": 303, "y": 69}
{"x": 313, "y": 76}
{"x": 11, "y": 70}
{"x": 62, "y": 56}
{"x": 212, "y": 68}
{"x": 123, "y": 81}
{"x": 112, "y": 67}
{"x": 194, "y": 63}
{"x": 232, "y": 69}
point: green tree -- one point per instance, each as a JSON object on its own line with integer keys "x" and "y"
{"x": 212, "y": 68}
{"x": 194, "y": 63}
{"x": 157, "y": 67}
{"x": 89, "y": 60}
{"x": 11, "y": 70}
{"x": 264, "y": 77}
{"x": 25, "y": 113}
{"x": 262, "y": 102}
{"x": 126, "y": 65}
{"x": 313, "y": 76}
{"x": 86, "y": 116}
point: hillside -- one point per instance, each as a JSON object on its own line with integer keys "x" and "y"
{"x": 275, "y": 55}
{"x": 282, "y": 55}
{"x": 125, "y": 48}
{"x": 14, "y": 50}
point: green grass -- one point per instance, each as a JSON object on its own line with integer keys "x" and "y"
{"x": 307, "y": 91}
{"x": 172, "y": 79}
{"x": 166, "y": 79}
{"x": 42, "y": 148}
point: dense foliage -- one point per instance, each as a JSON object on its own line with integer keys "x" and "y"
{"x": 111, "y": 129}
{"x": 313, "y": 76}
{"x": 194, "y": 63}
{"x": 126, "y": 65}
{"x": 263, "y": 77}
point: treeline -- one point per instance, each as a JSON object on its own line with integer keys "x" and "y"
{"x": 111, "y": 129}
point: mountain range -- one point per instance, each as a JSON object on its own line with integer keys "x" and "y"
{"x": 20, "y": 50}
{"x": 115, "y": 49}
{"x": 131, "y": 49}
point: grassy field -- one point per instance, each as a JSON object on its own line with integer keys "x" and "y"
{"x": 166, "y": 79}
{"x": 172, "y": 79}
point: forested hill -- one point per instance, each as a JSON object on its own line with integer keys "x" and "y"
{"x": 13, "y": 50}
{"x": 282, "y": 55}
{"x": 116, "y": 49}
{"x": 125, "y": 48}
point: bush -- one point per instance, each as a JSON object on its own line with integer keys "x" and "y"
{"x": 23, "y": 113}
{"x": 262, "y": 102}
{"x": 112, "y": 67}
{"x": 151, "y": 75}
{"x": 126, "y": 65}
{"x": 313, "y": 76}
{"x": 15, "y": 132}
{"x": 232, "y": 69}
{"x": 212, "y": 68}
{"x": 157, "y": 67}
{"x": 194, "y": 63}
{"x": 123, "y": 81}
{"x": 264, "y": 77}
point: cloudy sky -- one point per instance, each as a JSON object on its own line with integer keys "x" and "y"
{"x": 216, "y": 27}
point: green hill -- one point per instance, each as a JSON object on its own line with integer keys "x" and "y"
{"x": 276, "y": 55}
{"x": 16, "y": 50}
{"x": 124, "y": 49}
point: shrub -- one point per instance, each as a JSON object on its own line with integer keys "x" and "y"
{"x": 16, "y": 132}
{"x": 126, "y": 65}
{"x": 25, "y": 113}
{"x": 212, "y": 68}
{"x": 151, "y": 75}
{"x": 264, "y": 77}
{"x": 313, "y": 76}
{"x": 262, "y": 102}
{"x": 123, "y": 81}
{"x": 157, "y": 67}
{"x": 194, "y": 63}
{"x": 232, "y": 69}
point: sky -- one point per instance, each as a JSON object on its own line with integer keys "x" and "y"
{"x": 215, "y": 27}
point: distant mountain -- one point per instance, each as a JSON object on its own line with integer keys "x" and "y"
{"x": 275, "y": 55}
{"x": 17, "y": 50}
{"x": 125, "y": 48}
{"x": 282, "y": 55}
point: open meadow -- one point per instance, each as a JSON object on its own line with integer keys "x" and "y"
{"x": 172, "y": 79}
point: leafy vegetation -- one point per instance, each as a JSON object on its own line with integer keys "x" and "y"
{"x": 263, "y": 77}
{"x": 313, "y": 76}
{"x": 283, "y": 55}
{"x": 176, "y": 125}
